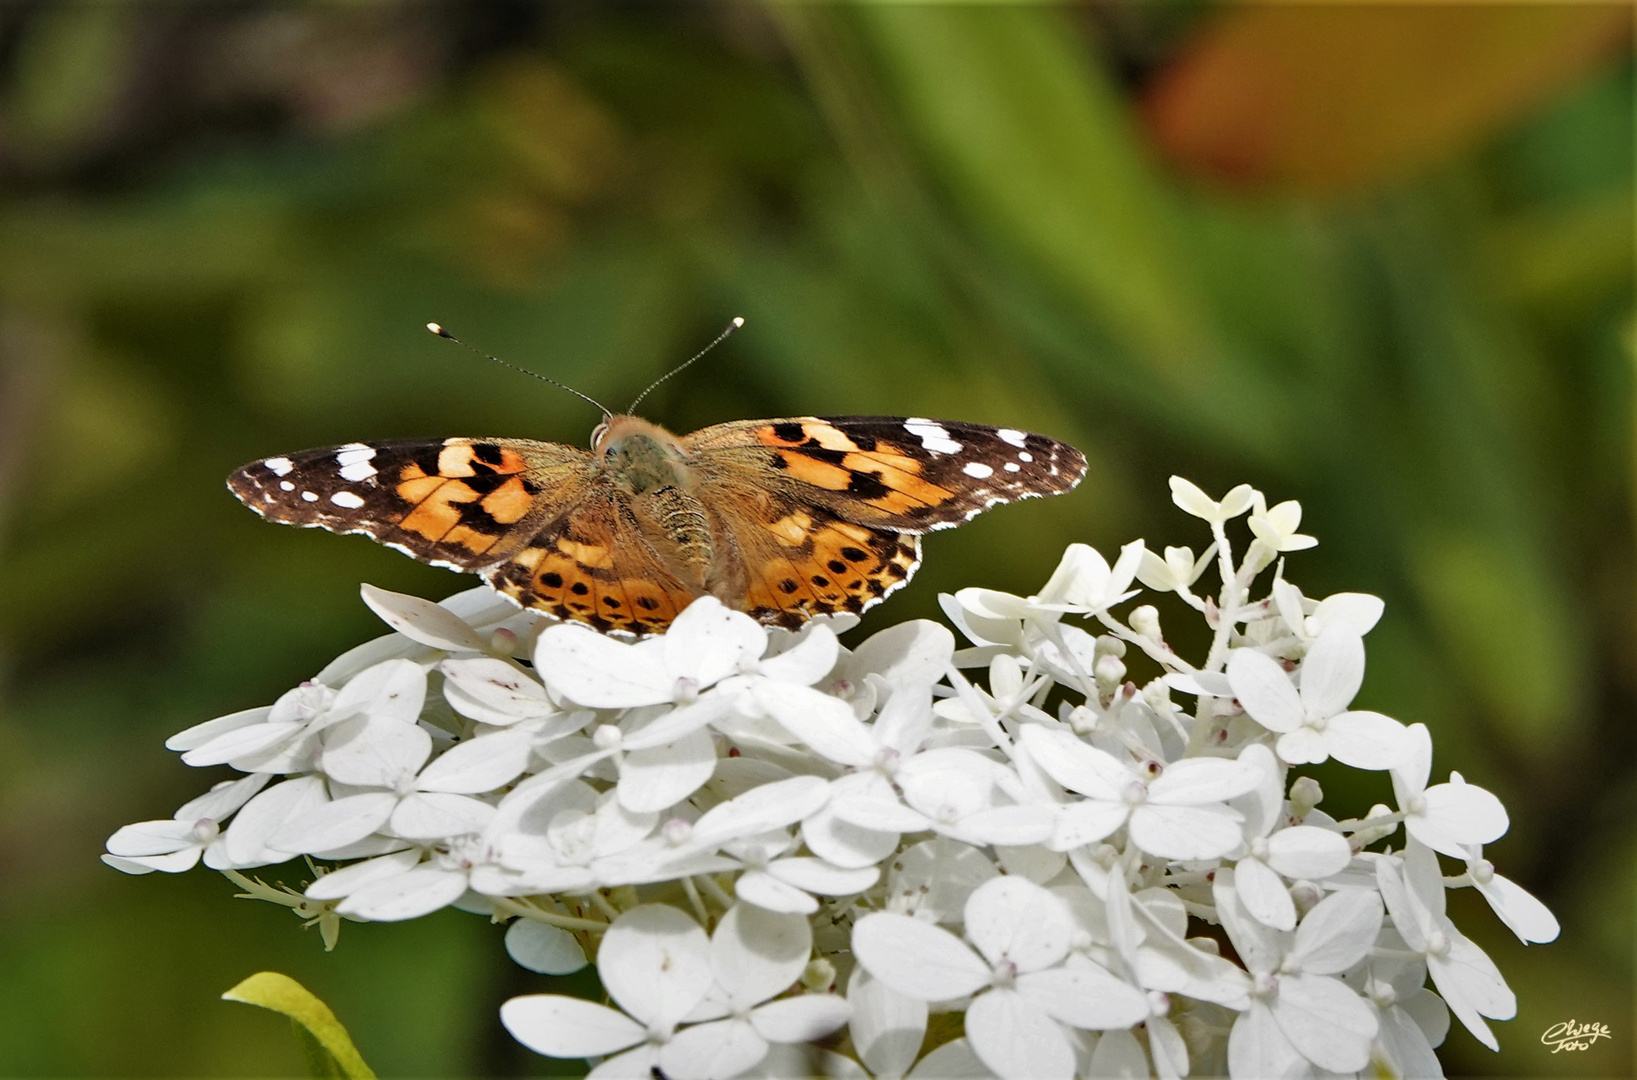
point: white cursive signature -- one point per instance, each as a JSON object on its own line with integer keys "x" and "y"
{"x": 1572, "y": 1036}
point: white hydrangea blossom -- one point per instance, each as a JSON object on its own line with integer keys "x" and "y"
{"x": 787, "y": 857}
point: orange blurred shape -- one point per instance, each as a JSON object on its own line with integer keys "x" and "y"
{"x": 1326, "y": 99}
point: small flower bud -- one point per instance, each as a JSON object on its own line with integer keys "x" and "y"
{"x": 1145, "y": 620}
{"x": 1304, "y": 894}
{"x": 1109, "y": 645}
{"x": 503, "y": 642}
{"x": 1157, "y": 696}
{"x": 606, "y": 737}
{"x": 1305, "y": 794}
{"x": 1110, "y": 672}
{"x": 1082, "y": 720}
{"x": 818, "y": 976}
{"x": 676, "y": 831}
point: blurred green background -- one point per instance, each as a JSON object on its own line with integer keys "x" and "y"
{"x": 1378, "y": 259}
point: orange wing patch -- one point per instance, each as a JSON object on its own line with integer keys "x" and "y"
{"x": 837, "y": 567}
{"x": 594, "y": 567}
{"x": 877, "y": 473}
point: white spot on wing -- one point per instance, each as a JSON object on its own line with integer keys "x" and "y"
{"x": 1012, "y": 466}
{"x": 354, "y": 459}
{"x": 285, "y": 485}
{"x": 1025, "y": 456}
{"x": 934, "y": 438}
{"x": 281, "y": 466}
{"x": 307, "y": 496}
{"x": 977, "y": 470}
{"x": 347, "y": 500}
{"x": 1010, "y": 435}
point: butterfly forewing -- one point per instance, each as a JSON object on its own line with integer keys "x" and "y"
{"x": 460, "y": 503}
{"x": 905, "y": 473}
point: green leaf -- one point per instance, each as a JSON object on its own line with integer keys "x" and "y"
{"x": 329, "y": 1049}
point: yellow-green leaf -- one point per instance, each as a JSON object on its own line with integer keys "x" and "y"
{"x": 330, "y": 1049}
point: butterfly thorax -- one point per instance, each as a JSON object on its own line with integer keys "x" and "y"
{"x": 650, "y": 464}
{"x": 641, "y": 457}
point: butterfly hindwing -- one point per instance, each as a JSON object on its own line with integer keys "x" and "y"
{"x": 459, "y": 503}
{"x": 593, "y": 565}
{"x": 904, "y": 473}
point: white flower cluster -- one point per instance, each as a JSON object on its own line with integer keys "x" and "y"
{"x": 789, "y": 858}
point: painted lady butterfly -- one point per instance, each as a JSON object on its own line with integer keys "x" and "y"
{"x": 783, "y": 519}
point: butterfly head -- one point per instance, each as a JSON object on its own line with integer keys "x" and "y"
{"x": 641, "y": 455}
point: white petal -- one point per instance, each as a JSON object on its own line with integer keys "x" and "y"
{"x": 199, "y": 734}
{"x": 477, "y": 765}
{"x": 566, "y": 1027}
{"x": 1338, "y": 931}
{"x": 1365, "y": 740}
{"x": 174, "y": 862}
{"x": 435, "y": 815}
{"x": 887, "y": 1027}
{"x": 800, "y": 1019}
{"x": 246, "y": 838}
{"x": 1410, "y": 774}
{"x": 1358, "y": 611}
{"x": 770, "y": 894}
{"x": 655, "y": 964}
{"x": 410, "y": 895}
{"x": 421, "y": 620}
{"x": 1085, "y": 996}
{"x": 1168, "y": 1048}
{"x": 1333, "y": 670}
{"x": 756, "y": 954}
{"x": 913, "y": 653}
{"x": 1469, "y": 980}
{"x": 708, "y": 641}
{"x": 1258, "y": 1050}
{"x": 826, "y": 879}
{"x": 1012, "y": 918}
{"x": 1086, "y": 822}
{"x": 1303, "y": 746}
{"x": 887, "y": 817}
{"x": 1524, "y": 915}
{"x": 239, "y": 743}
{"x": 1185, "y": 832}
{"x": 370, "y": 751}
{"x": 1015, "y": 1038}
{"x": 1074, "y": 764}
{"x": 1007, "y": 825}
{"x": 916, "y": 958}
{"x": 1264, "y": 894}
{"x": 842, "y": 842}
{"x": 954, "y": 1060}
{"x": 713, "y": 1051}
{"x": 1325, "y": 1021}
{"x": 826, "y": 724}
{"x": 492, "y": 691}
{"x": 761, "y": 809}
{"x": 1265, "y": 690}
{"x": 334, "y": 824}
{"x": 391, "y": 690}
{"x": 807, "y": 661}
{"x": 1305, "y": 851}
{"x": 1118, "y": 1056}
{"x": 338, "y": 883}
{"x": 904, "y": 721}
{"x": 1407, "y": 1046}
{"x": 1260, "y": 949}
{"x": 151, "y": 838}
{"x": 598, "y": 672}
{"x": 223, "y": 799}
{"x": 1461, "y": 814}
{"x": 1192, "y": 781}
{"x": 658, "y": 778}
{"x": 549, "y": 950}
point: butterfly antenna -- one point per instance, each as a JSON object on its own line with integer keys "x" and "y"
{"x": 723, "y": 336}
{"x": 441, "y": 332}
